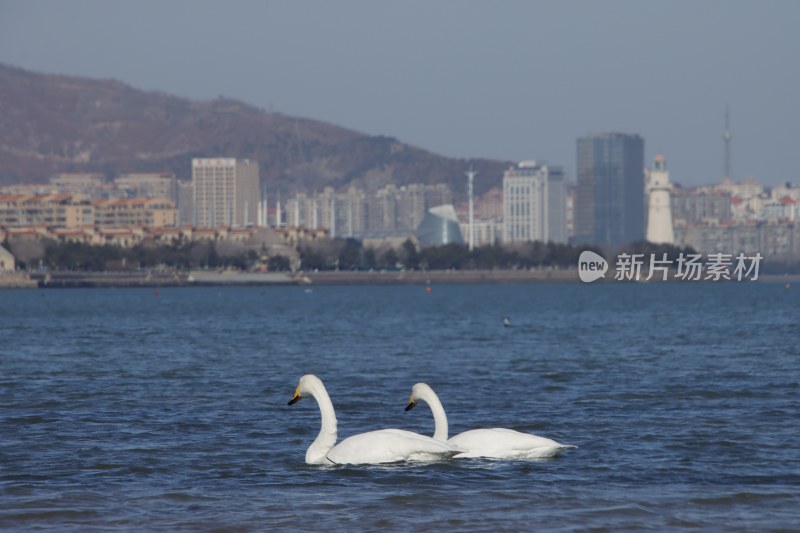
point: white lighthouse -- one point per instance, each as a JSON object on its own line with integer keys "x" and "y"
{"x": 659, "y": 210}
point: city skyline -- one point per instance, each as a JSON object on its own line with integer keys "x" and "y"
{"x": 745, "y": 217}
{"x": 510, "y": 82}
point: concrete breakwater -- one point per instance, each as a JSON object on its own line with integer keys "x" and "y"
{"x": 376, "y": 277}
{"x": 16, "y": 280}
{"x": 213, "y": 277}
{"x": 156, "y": 278}
{"x": 341, "y": 277}
{"x": 67, "y": 279}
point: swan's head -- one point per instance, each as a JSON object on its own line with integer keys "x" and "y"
{"x": 308, "y": 386}
{"x": 419, "y": 393}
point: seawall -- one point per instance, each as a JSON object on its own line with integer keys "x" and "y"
{"x": 440, "y": 276}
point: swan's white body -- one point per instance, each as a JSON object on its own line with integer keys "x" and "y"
{"x": 496, "y": 443}
{"x": 374, "y": 447}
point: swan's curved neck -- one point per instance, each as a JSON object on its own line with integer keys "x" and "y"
{"x": 316, "y": 453}
{"x": 439, "y": 417}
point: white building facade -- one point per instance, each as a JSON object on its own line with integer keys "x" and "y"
{"x": 534, "y": 204}
{"x": 225, "y": 192}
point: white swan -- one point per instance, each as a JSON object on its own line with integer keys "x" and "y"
{"x": 374, "y": 447}
{"x": 496, "y": 443}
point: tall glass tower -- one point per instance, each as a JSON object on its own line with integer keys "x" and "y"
{"x": 609, "y": 198}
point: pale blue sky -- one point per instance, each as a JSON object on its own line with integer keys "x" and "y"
{"x": 507, "y": 80}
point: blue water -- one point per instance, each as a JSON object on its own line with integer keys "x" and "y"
{"x": 124, "y": 410}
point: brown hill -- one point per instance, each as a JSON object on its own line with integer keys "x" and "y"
{"x": 52, "y": 123}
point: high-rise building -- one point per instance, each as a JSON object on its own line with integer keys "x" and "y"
{"x": 382, "y": 209}
{"x": 609, "y": 199}
{"x": 185, "y": 202}
{"x": 534, "y": 203}
{"x": 350, "y": 213}
{"x": 701, "y": 205}
{"x": 355, "y": 212}
{"x": 302, "y": 211}
{"x": 226, "y": 192}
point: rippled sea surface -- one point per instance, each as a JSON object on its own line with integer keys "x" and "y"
{"x": 123, "y": 409}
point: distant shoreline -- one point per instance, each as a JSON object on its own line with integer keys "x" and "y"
{"x": 342, "y": 277}
{"x": 415, "y": 277}
{"x": 231, "y": 278}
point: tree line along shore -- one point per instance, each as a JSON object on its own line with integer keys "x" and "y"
{"x": 331, "y": 261}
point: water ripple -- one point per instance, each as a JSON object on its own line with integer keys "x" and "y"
{"x": 121, "y": 415}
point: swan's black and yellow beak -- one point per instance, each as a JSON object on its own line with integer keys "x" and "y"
{"x": 296, "y": 398}
{"x": 411, "y": 403}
